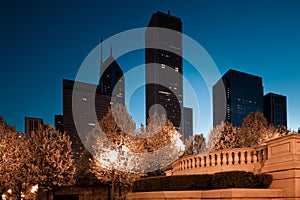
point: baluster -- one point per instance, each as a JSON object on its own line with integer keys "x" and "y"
{"x": 230, "y": 159}
{"x": 202, "y": 162}
{"x": 242, "y": 157}
{"x": 219, "y": 160}
{"x": 254, "y": 156}
{"x": 191, "y": 163}
{"x": 236, "y": 158}
{"x": 198, "y": 161}
{"x": 248, "y": 157}
{"x": 213, "y": 161}
{"x": 195, "y": 162}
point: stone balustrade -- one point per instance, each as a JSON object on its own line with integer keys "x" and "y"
{"x": 246, "y": 159}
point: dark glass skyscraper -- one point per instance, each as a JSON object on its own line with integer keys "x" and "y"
{"x": 164, "y": 84}
{"x": 236, "y": 95}
{"x": 112, "y": 80}
{"x": 275, "y": 109}
{"x": 187, "y": 122}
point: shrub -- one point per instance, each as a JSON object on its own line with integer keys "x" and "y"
{"x": 165, "y": 183}
{"x": 233, "y": 179}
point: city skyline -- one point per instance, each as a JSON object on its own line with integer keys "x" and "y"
{"x": 259, "y": 38}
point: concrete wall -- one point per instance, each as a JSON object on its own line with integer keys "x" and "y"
{"x": 229, "y": 194}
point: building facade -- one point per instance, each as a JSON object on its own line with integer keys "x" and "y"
{"x": 275, "y": 109}
{"x": 83, "y": 103}
{"x": 187, "y": 122}
{"x": 163, "y": 58}
{"x": 59, "y": 123}
{"x": 32, "y": 124}
{"x": 236, "y": 95}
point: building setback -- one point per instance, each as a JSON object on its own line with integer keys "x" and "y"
{"x": 32, "y": 124}
{"x": 164, "y": 84}
{"x": 275, "y": 109}
{"x": 236, "y": 95}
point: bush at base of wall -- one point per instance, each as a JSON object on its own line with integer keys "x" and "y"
{"x": 221, "y": 180}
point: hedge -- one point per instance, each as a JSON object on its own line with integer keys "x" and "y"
{"x": 221, "y": 180}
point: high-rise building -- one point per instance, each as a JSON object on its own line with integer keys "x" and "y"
{"x": 88, "y": 101}
{"x": 91, "y": 102}
{"x": 32, "y": 124}
{"x": 236, "y": 95}
{"x": 163, "y": 58}
{"x": 112, "y": 81}
{"x": 275, "y": 109}
{"x": 187, "y": 122}
{"x": 59, "y": 123}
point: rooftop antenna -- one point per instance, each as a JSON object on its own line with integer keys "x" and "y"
{"x": 101, "y": 58}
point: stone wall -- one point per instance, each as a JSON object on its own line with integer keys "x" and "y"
{"x": 228, "y": 194}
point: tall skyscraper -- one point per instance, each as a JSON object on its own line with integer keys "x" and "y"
{"x": 87, "y": 101}
{"x": 112, "y": 81}
{"x": 187, "y": 122}
{"x": 32, "y": 124}
{"x": 164, "y": 84}
{"x": 236, "y": 95}
{"x": 275, "y": 109}
{"x": 91, "y": 98}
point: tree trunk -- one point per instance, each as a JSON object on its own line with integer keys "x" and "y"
{"x": 113, "y": 185}
{"x": 108, "y": 192}
{"x": 47, "y": 194}
{"x": 120, "y": 192}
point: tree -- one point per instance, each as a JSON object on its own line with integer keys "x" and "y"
{"x": 253, "y": 130}
{"x": 223, "y": 136}
{"x": 51, "y": 164}
{"x": 5, "y": 127}
{"x": 14, "y": 159}
{"x": 121, "y": 154}
{"x": 196, "y": 145}
{"x": 214, "y": 136}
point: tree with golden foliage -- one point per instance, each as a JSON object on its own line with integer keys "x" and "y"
{"x": 122, "y": 153}
{"x": 196, "y": 145}
{"x": 51, "y": 164}
{"x": 223, "y": 136}
{"x": 14, "y": 159}
{"x": 252, "y": 131}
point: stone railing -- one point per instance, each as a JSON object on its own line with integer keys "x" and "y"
{"x": 246, "y": 159}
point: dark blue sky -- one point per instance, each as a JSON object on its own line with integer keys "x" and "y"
{"x": 42, "y": 42}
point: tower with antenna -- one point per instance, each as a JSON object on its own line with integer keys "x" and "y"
{"x": 112, "y": 81}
